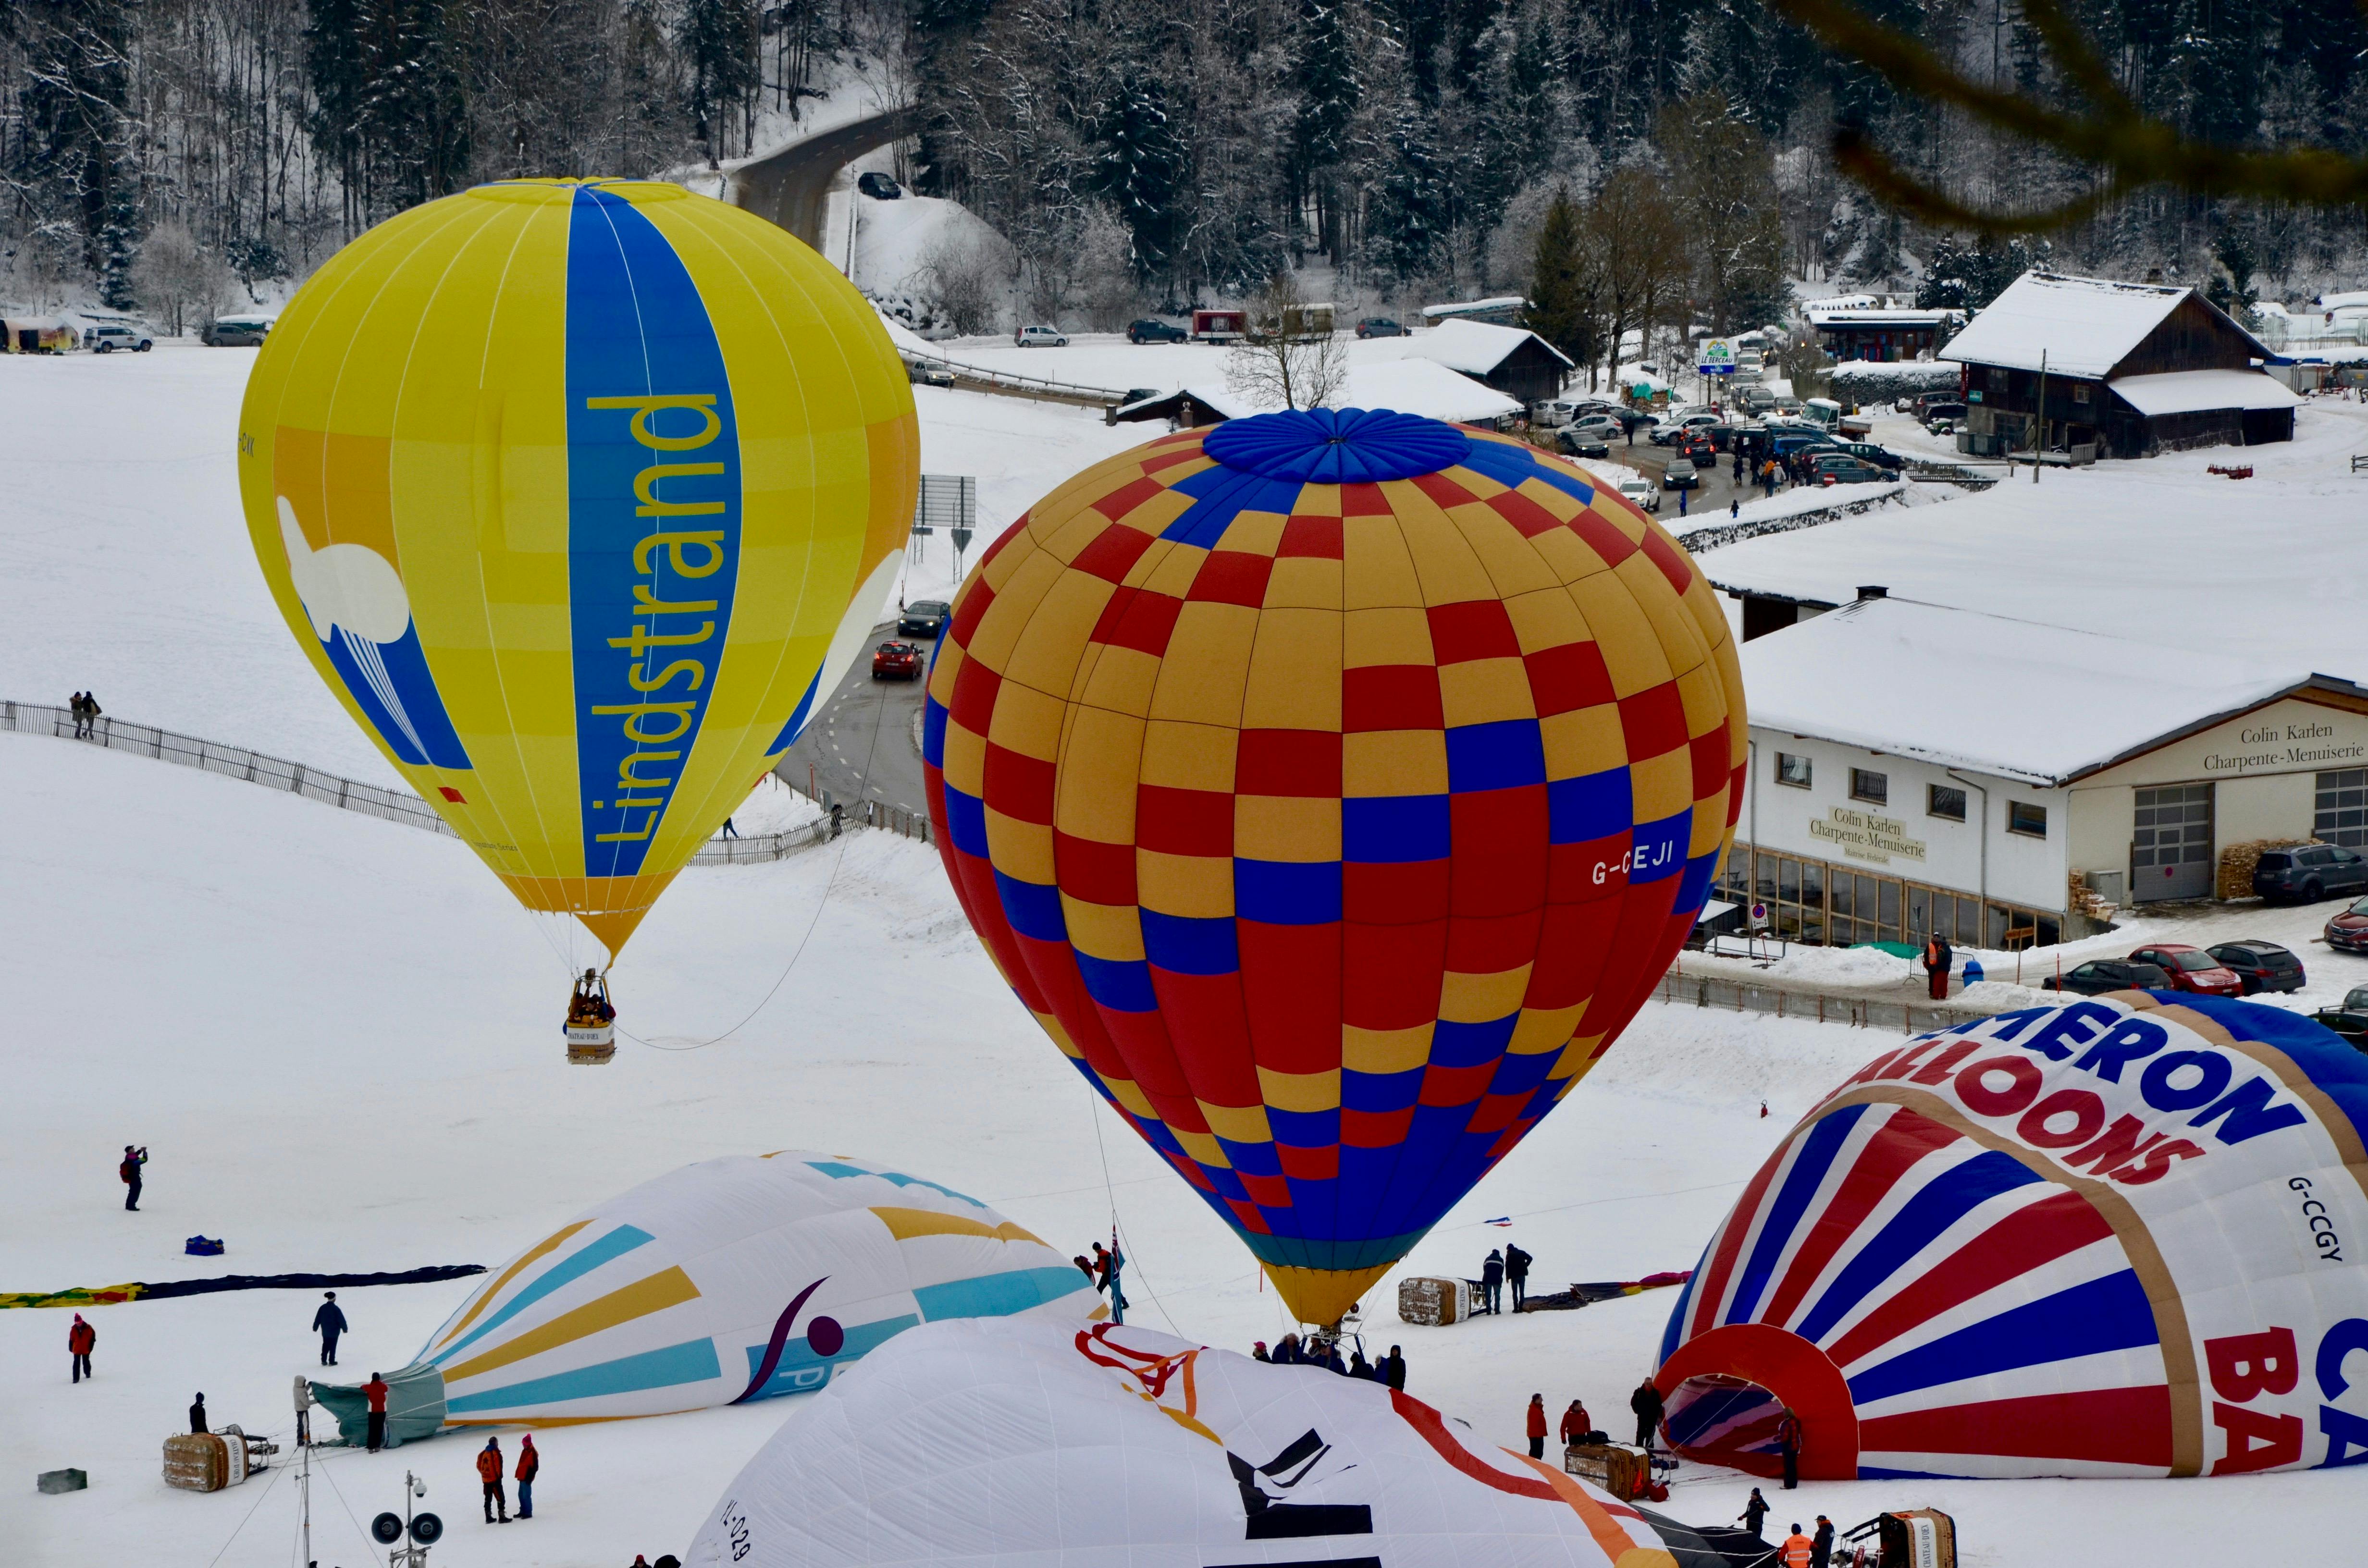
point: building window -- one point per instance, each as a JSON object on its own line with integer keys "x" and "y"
{"x": 1873, "y": 788}
{"x": 2340, "y": 809}
{"x": 1793, "y": 771}
{"x": 2023, "y": 817}
{"x": 2079, "y": 391}
{"x": 1945, "y": 800}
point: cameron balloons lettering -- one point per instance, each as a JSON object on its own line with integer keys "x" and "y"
{"x": 2117, "y": 1237}
{"x": 1332, "y": 788}
{"x": 575, "y": 493}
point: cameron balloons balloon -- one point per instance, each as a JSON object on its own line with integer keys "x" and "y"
{"x": 1333, "y": 787}
{"x": 1011, "y": 1444}
{"x": 2117, "y": 1237}
{"x": 729, "y": 1280}
{"x": 567, "y": 489}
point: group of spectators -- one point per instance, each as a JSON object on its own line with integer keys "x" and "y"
{"x": 1293, "y": 1351}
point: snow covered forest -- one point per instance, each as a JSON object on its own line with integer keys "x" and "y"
{"x": 1143, "y": 153}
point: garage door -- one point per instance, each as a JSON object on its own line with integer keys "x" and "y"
{"x": 2171, "y": 852}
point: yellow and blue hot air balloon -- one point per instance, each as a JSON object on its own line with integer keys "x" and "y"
{"x": 733, "y": 1280}
{"x": 578, "y": 494}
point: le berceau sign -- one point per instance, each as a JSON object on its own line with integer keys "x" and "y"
{"x": 1863, "y": 835}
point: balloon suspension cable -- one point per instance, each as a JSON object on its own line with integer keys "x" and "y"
{"x": 879, "y": 713}
{"x": 1110, "y": 1195}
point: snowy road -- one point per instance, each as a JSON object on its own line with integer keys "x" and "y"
{"x": 859, "y": 747}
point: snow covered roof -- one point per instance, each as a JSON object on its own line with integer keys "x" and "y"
{"x": 2357, "y": 300}
{"x": 2195, "y": 392}
{"x": 1461, "y": 307}
{"x": 1877, "y": 317}
{"x": 1409, "y": 386}
{"x": 1475, "y": 347}
{"x": 2084, "y": 326}
{"x": 1904, "y": 690}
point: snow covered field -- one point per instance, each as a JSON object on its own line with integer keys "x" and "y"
{"x": 337, "y": 1037}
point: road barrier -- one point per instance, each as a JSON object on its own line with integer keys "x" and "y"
{"x": 861, "y": 814}
{"x": 330, "y": 789}
{"x": 977, "y": 378}
{"x": 1822, "y": 1006}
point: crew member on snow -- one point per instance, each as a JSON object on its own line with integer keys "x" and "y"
{"x": 1492, "y": 1282}
{"x": 81, "y": 1339}
{"x": 328, "y": 1323}
{"x": 530, "y": 1462}
{"x": 1394, "y": 1370}
{"x": 1821, "y": 1547}
{"x": 1797, "y": 1549}
{"x": 1537, "y": 1426}
{"x": 489, "y": 1470}
{"x": 1754, "y": 1510}
{"x": 1517, "y": 1273}
{"x": 374, "y": 1391}
{"x": 1646, "y": 1403}
{"x": 1937, "y": 957}
{"x": 1576, "y": 1423}
{"x": 129, "y": 1171}
{"x": 1788, "y": 1438}
{"x": 197, "y": 1416}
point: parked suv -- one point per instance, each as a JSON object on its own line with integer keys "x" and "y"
{"x": 1583, "y": 441}
{"x": 2192, "y": 969}
{"x": 107, "y": 339}
{"x": 236, "y": 332}
{"x": 1039, "y": 337}
{"x": 1150, "y": 330}
{"x": 2262, "y": 966}
{"x": 1933, "y": 412}
{"x": 2310, "y": 872}
{"x": 2109, "y": 974}
{"x": 1868, "y": 453}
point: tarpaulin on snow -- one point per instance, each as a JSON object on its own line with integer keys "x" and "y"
{"x": 150, "y": 1290}
{"x": 1587, "y": 1294}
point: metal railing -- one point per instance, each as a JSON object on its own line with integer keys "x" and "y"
{"x": 330, "y": 789}
{"x": 1697, "y": 541}
{"x": 1825, "y": 1007}
{"x": 1040, "y": 387}
{"x": 898, "y": 820}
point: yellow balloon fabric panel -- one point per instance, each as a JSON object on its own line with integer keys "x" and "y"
{"x": 566, "y": 489}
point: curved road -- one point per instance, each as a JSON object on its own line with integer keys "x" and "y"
{"x": 861, "y": 745}
{"x": 786, "y": 186}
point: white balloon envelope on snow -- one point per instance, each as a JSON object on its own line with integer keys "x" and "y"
{"x": 2124, "y": 1236}
{"x": 1019, "y": 1443}
{"x": 729, "y": 1280}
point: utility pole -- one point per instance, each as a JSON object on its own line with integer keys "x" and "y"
{"x": 304, "y": 1476}
{"x": 2039, "y": 443}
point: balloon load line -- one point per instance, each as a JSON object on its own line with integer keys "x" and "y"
{"x": 160, "y": 1289}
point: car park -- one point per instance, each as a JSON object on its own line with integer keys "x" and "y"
{"x": 1680, "y": 475}
{"x": 924, "y": 618}
{"x": 109, "y": 336}
{"x": 235, "y": 332}
{"x": 2102, "y": 975}
{"x": 2350, "y": 1021}
{"x": 2349, "y": 930}
{"x": 1641, "y": 494}
{"x": 2308, "y": 872}
{"x": 878, "y": 186}
{"x": 2192, "y": 969}
{"x": 1039, "y": 337}
{"x": 2261, "y": 966}
{"x": 1151, "y": 330}
{"x": 897, "y": 661}
{"x": 1379, "y": 326}
{"x": 1575, "y": 442}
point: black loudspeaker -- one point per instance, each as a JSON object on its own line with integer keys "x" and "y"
{"x": 427, "y": 1529}
{"x": 387, "y": 1529}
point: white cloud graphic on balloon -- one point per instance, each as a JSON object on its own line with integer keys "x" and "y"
{"x": 348, "y": 585}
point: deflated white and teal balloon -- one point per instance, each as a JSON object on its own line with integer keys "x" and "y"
{"x": 729, "y": 1280}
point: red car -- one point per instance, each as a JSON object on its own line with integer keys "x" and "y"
{"x": 897, "y": 661}
{"x": 2192, "y": 969}
{"x": 2349, "y": 930}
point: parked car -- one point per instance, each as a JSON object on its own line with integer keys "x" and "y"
{"x": 1868, "y": 453}
{"x": 878, "y": 186}
{"x": 2262, "y": 966}
{"x": 2094, "y": 979}
{"x": 2348, "y": 1021}
{"x": 1552, "y": 414}
{"x": 1933, "y": 413}
{"x": 2310, "y": 872}
{"x": 2192, "y": 969}
{"x": 924, "y": 618}
{"x": 897, "y": 661}
{"x": 1039, "y": 337}
{"x": 1680, "y": 475}
{"x": 1379, "y": 326}
{"x": 1149, "y": 330}
{"x": 2349, "y": 930}
{"x": 107, "y": 338}
{"x": 1640, "y": 491}
{"x": 1850, "y": 471}
{"x": 235, "y": 332}
{"x": 1575, "y": 442}
{"x": 1607, "y": 424}
{"x": 1139, "y": 394}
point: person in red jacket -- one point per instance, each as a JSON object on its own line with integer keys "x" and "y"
{"x": 1788, "y": 1438}
{"x": 1537, "y": 1426}
{"x": 489, "y": 1470}
{"x": 528, "y": 1462}
{"x": 81, "y": 1339}
{"x": 1576, "y": 1423}
{"x": 374, "y": 1391}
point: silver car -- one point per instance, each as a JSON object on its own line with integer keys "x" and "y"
{"x": 106, "y": 339}
{"x": 236, "y": 332}
{"x": 1039, "y": 337}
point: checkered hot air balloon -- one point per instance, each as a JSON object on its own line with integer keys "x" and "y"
{"x": 2112, "y": 1238}
{"x": 1332, "y": 788}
